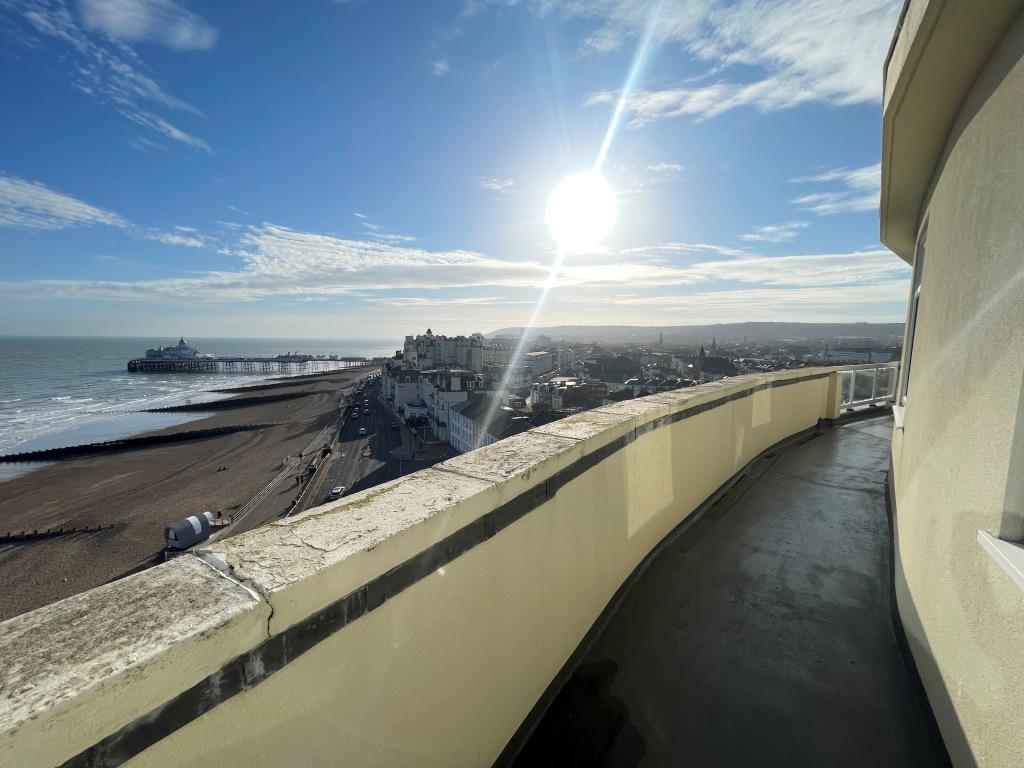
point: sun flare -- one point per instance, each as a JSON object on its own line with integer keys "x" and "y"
{"x": 581, "y": 211}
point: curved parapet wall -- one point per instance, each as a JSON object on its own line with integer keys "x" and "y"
{"x": 414, "y": 623}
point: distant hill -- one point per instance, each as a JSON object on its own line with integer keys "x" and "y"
{"x": 696, "y": 334}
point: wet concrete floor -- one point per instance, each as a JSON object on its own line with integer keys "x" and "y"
{"x": 760, "y": 637}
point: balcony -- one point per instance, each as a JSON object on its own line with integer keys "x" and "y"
{"x": 760, "y": 634}
{"x": 729, "y": 542}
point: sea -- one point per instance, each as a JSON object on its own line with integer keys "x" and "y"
{"x": 56, "y": 392}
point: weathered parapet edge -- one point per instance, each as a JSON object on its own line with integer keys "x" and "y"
{"x": 291, "y": 573}
{"x": 70, "y": 672}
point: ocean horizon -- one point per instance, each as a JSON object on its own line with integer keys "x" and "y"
{"x": 69, "y": 390}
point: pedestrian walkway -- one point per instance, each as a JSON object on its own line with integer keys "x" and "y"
{"x": 760, "y": 637}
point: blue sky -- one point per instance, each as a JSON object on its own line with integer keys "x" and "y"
{"x": 371, "y": 167}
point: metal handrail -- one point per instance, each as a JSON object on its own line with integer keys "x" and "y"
{"x": 868, "y": 384}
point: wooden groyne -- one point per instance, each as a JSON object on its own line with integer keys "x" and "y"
{"x": 234, "y": 402}
{"x": 17, "y": 537}
{"x": 363, "y": 364}
{"x": 128, "y": 443}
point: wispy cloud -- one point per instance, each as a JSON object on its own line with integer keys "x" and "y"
{"x": 836, "y": 304}
{"x": 816, "y": 270}
{"x": 160, "y": 21}
{"x": 664, "y": 169}
{"x": 675, "y": 249}
{"x": 99, "y": 62}
{"x": 858, "y": 190}
{"x": 711, "y": 100}
{"x": 439, "y": 67}
{"x": 775, "y": 233}
{"x": 630, "y": 180}
{"x": 281, "y": 262}
{"x": 420, "y": 301}
{"x": 800, "y": 51}
{"x": 142, "y": 144}
{"x": 31, "y": 205}
{"x": 377, "y": 231}
{"x": 238, "y": 210}
{"x": 495, "y": 184}
{"x": 186, "y": 240}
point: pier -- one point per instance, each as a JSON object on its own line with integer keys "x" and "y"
{"x": 282, "y": 364}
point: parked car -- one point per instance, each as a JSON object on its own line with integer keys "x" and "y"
{"x": 336, "y": 493}
{"x": 362, "y": 430}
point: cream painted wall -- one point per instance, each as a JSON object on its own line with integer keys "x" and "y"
{"x": 958, "y": 461}
{"x": 445, "y": 672}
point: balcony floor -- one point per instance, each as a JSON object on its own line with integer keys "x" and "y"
{"x": 761, "y": 636}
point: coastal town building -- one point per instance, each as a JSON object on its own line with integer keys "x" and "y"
{"x": 539, "y": 362}
{"x": 510, "y": 378}
{"x": 848, "y": 356}
{"x": 567, "y": 394}
{"x": 482, "y": 419}
{"x": 712, "y": 367}
{"x": 440, "y": 389}
{"x": 400, "y": 384}
{"x": 431, "y": 350}
{"x": 609, "y": 368}
{"x": 498, "y": 354}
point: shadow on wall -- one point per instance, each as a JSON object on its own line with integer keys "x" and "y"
{"x": 952, "y": 735}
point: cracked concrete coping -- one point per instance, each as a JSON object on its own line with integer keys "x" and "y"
{"x": 302, "y": 564}
{"x": 75, "y": 671}
{"x": 595, "y": 428}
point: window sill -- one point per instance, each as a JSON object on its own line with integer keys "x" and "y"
{"x": 1008, "y": 556}
{"x": 897, "y": 416}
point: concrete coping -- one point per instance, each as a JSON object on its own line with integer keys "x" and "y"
{"x": 176, "y": 623}
{"x": 184, "y": 620}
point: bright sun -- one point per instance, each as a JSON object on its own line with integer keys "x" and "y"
{"x": 581, "y": 211}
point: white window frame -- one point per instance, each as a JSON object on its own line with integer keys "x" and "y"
{"x": 910, "y": 330}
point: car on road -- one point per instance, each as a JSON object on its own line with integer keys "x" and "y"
{"x": 362, "y": 430}
{"x": 355, "y": 414}
{"x": 394, "y": 425}
{"x": 336, "y": 493}
{"x": 366, "y": 411}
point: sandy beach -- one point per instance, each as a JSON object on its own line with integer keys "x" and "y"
{"x": 142, "y": 490}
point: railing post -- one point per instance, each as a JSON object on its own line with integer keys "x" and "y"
{"x": 835, "y": 396}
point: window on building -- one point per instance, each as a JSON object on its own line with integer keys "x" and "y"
{"x": 912, "y": 311}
